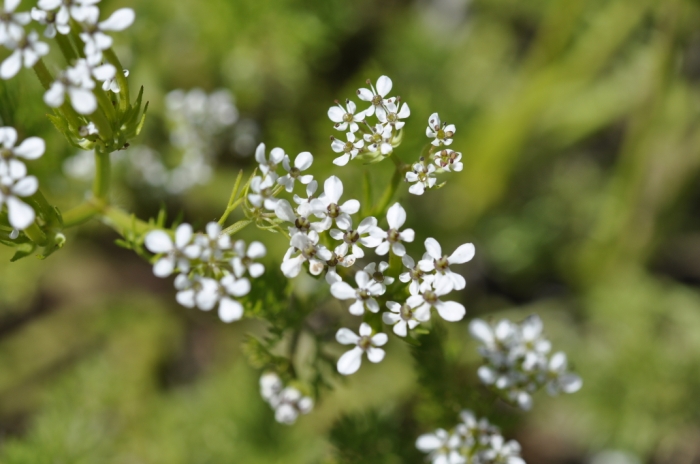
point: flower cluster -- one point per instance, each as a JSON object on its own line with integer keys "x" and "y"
{"x": 288, "y": 402}
{"x": 472, "y": 441}
{"x": 517, "y": 361}
{"x": 211, "y": 267}
{"x": 14, "y": 181}
{"x": 78, "y": 81}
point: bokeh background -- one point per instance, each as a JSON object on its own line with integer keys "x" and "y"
{"x": 578, "y": 121}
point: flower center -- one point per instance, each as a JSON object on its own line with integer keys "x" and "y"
{"x": 351, "y": 236}
{"x": 333, "y": 210}
{"x": 333, "y": 262}
{"x": 392, "y": 117}
{"x": 363, "y": 294}
{"x": 348, "y": 117}
{"x": 365, "y": 343}
{"x": 377, "y": 137}
{"x": 377, "y": 100}
{"x": 415, "y": 273}
{"x": 294, "y": 172}
{"x": 393, "y": 235}
{"x": 378, "y": 276}
{"x": 406, "y": 312}
{"x": 349, "y": 146}
{"x": 5, "y": 153}
{"x": 441, "y": 134}
{"x": 430, "y": 296}
{"x": 302, "y": 223}
{"x": 309, "y": 251}
{"x": 5, "y": 17}
{"x": 441, "y": 264}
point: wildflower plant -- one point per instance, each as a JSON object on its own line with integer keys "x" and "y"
{"x": 358, "y": 251}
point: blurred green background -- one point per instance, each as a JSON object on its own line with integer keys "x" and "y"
{"x": 578, "y": 121}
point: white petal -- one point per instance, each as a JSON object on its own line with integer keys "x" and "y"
{"x": 120, "y": 20}
{"x": 31, "y": 148}
{"x": 362, "y": 278}
{"x": 570, "y": 383}
{"x": 428, "y": 442}
{"x": 383, "y": 248}
{"x": 357, "y": 308}
{"x": 256, "y": 270}
{"x": 346, "y": 337}
{"x": 303, "y": 160}
{"x": 396, "y": 216}
{"x": 481, "y": 331}
{"x": 21, "y": 215}
{"x": 366, "y": 95}
{"x": 164, "y": 267}
{"x": 336, "y": 114}
{"x": 158, "y": 241}
{"x": 558, "y": 362}
{"x": 408, "y": 235}
{"x": 350, "y": 207}
{"x": 450, "y": 310}
{"x": 11, "y": 66}
{"x": 256, "y": 250}
{"x": 462, "y": 254}
{"x": 83, "y": 101}
{"x": 380, "y": 339}
{"x": 350, "y": 362}
{"x": 405, "y": 111}
{"x": 384, "y": 85}
{"x": 365, "y": 329}
{"x": 401, "y": 328}
{"x": 433, "y": 248}
{"x": 333, "y": 188}
{"x": 375, "y": 355}
{"x": 104, "y": 72}
{"x": 183, "y": 235}
{"x": 25, "y": 187}
{"x": 343, "y": 291}
{"x": 342, "y": 160}
{"x": 230, "y": 310}
{"x": 55, "y": 96}
{"x": 284, "y": 211}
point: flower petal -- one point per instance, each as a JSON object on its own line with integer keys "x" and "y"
{"x": 303, "y": 161}
{"x": 396, "y": 216}
{"x": 375, "y": 355}
{"x": 433, "y": 248}
{"x": 158, "y": 241}
{"x": 384, "y": 85}
{"x": 119, "y": 20}
{"x": 350, "y": 362}
{"x": 450, "y": 310}
{"x": 31, "y": 148}
{"x": 230, "y": 310}
{"x": 346, "y": 337}
{"x": 21, "y": 215}
{"x": 462, "y": 254}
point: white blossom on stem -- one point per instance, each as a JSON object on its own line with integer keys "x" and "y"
{"x": 376, "y": 96}
{"x": 561, "y": 380}
{"x": 422, "y": 177}
{"x": 402, "y": 317}
{"x": 380, "y": 139}
{"x": 245, "y": 259}
{"x": 442, "y": 133}
{"x": 30, "y": 149}
{"x": 177, "y": 254}
{"x": 413, "y": 274}
{"x": 305, "y": 203}
{"x": 376, "y": 271}
{"x": 429, "y": 297}
{"x": 268, "y": 165}
{"x": 440, "y": 264}
{"x": 94, "y": 36}
{"x": 340, "y": 257}
{"x": 27, "y": 51}
{"x": 443, "y": 447}
{"x": 289, "y": 404}
{"x": 363, "y": 295}
{"x": 327, "y": 205}
{"x": 392, "y": 238}
{"x": 349, "y": 149}
{"x": 302, "y": 162}
{"x": 20, "y": 214}
{"x": 262, "y": 193}
{"x": 12, "y": 23}
{"x": 77, "y": 82}
{"x": 449, "y": 160}
{"x": 305, "y": 248}
{"x": 353, "y": 238}
{"x": 394, "y": 113}
{"x": 365, "y": 342}
{"x": 112, "y": 84}
{"x": 347, "y": 117}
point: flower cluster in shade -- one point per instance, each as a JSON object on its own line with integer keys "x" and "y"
{"x": 15, "y": 183}
{"x": 517, "y": 361}
{"x": 328, "y": 236}
{"x": 374, "y": 132}
{"x": 61, "y": 17}
{"x": 472, "y": 441}
{"x": 287, "y": 402}
{"x": 212, "y": 270}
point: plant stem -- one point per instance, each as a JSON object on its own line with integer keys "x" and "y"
{"x": 66, "y": 47}
{"x": 100, "y": 187}
{"x": 121, "y": 221}
{"x": 103, "y": 126}
{"x": 121, "y": 79}
{"x": 81, "y": 213}
{"x": 388, "y": 194}
{"x": 35, "y": 234}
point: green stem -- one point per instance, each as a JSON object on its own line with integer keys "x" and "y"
{"x": 388, "y": 194}
{"x": 121, "y": 79}
{"x": 81, "y": 213}
{"x": 35, "y": 234}
{"x": 100, "y": 186}
{"x": 103, "y": 125}
{"x": 67, "y": 48}
{"x": 121, "y": 221}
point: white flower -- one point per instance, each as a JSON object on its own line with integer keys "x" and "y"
{"x": 112, "y": 84}
{"x": 46, "y": 18}
{"x": 213, "y": 243}
{"x": 262, "y": 193}
{"x": 392, "y": 238}
{"x": 302, "y": 162}
{"x": 245, "y": 259}
{"x": 177, "y": 254}
{"x": 376, "y": 271}
{"x": 77, "y": 82}
{"x": 268, "y": 166}
{"x": 305, "y": 248}
{"x": 212, "y": 292}
{"x": 30, "y": 149}
{"x": 349, "y": 149}
{"x": 393, "y": 114}
{"x": 430, "y": 298}
{"x": 352, "y": 239}
{"x": 364, "y": 295}
{"x": 503, "y": 452}
{"x": 441, "y": 264}
{"x": 94, "y": 33}
{"x": 449, "y": 160}
{"x": 299, "y": 217}
{"x": 560, "y": 379}
{"x": 27, "y": 52}
{"x": 443, "y": 447}
{"x": 441, "y": 132}
{"x": 533, "y": 346}
{"x": 289, "y": 404}
{"x": 346, "y": 117}
{"x": 423, "y": 176}
{"x": 376, "y": 96}
{"x": 327, "y": 208}
{"x": 413, "y": 274}
{"x": 305, "y": 203}
{"x": 403, "y": 317}
{"x": 350, "y": 362}
{"x": 21, "y": 215}
{"x": 11, "y": 23}
{"x": 340, "y": 257}
{"x": 380, "y": 139}
{"x": 270, "y": 385}
{"x": 65, "y": 9}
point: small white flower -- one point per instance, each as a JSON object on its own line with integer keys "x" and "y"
{"x": 299, "y": 217}
{"x": 245, "y": 260}
{"x": 94, "y": 32}
{"x": 339, "y": 258}
{"x": 21, "y": 215}
{"x": 302, "y": 162}
{"x": 351, "y": 361}
{"x": 441, "y": 132}
{"x": 364, "y": 295}
{"x": 440, "y": 264}
{"x": 429, "y": 297}
{"x": 402, "y": 317}
{"x": 380, "y": 140}
{"x": 392, "y": 238}
{"x": 262, "y": 193}
{"x": 77, "y": 82}
{"x": 30, "y": 149}
{"x": 213, "y": 292}
{"x": 349, "y": 149}
{"x": 376, "y": 96}
{"x": 65, "y": 9}
{"x": 177, "y": 254}
{"x": 213, "y": 244}
{"x": 449, "y": 160}
{"x": 394, "y": 114}
{"x": 45, "y": 18}
{"x": 268, "y": 165}
{"x": 422, "y": 177}
{"x": 11, "y": 23}
{"x": 560, "y": 379}
{"x": 27, "y": 52}
{"x": 270, "y": 385}
{"x": 326, "y": 207}
{"x": 533, "y": 346}
{"x": 305, "y": 203}
{"x": 112, "y": 84}
{"x": 443, "y": 447}
{"x": 413, "y": 274}
{"x": 289, "y": 404}
{"x": 346, "y": 117}
{"x": 503, "y": 452}
{"x": 353, "y": 238}
{"x": 376, "y": 271}
{"x": 305, "y": 248}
